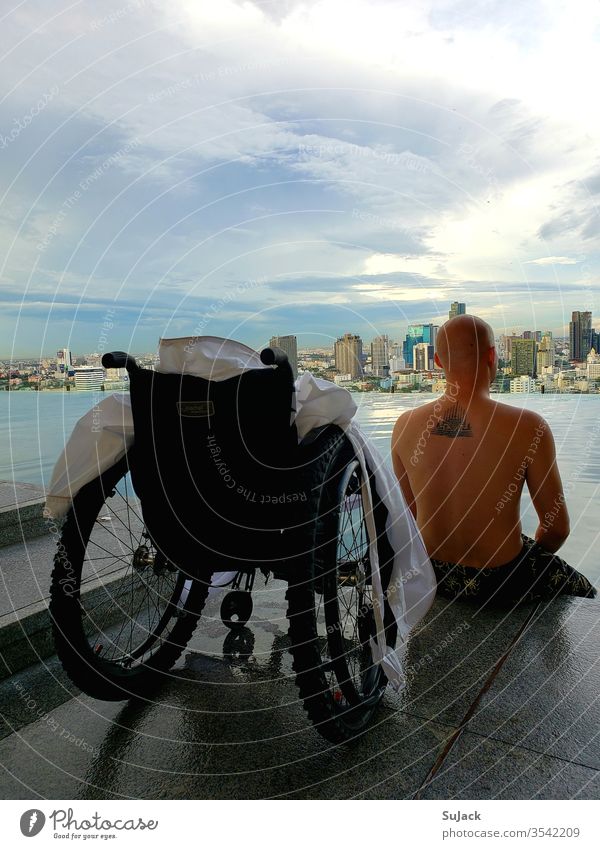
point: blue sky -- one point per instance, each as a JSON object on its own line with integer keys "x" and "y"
{"x": 248, "y": 169}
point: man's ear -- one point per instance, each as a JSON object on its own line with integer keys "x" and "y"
{"x": 492, "y": 356}
{"x": 437, "y": 360}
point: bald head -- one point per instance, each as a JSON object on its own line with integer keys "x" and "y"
{"x": 463, "y": 346}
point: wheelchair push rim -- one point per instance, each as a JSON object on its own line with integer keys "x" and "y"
{"x": 121, "y": 611}
{"x": 347, "y": 602}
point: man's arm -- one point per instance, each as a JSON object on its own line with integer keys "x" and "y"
{"x": 401, "y": 471}
{"x": 545, "y": 486}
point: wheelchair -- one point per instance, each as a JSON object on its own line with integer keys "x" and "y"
{"x": 217, "y": 481}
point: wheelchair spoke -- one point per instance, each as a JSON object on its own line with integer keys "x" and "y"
{"x": 127, "y": 615}
{"x": 344, "y": 611}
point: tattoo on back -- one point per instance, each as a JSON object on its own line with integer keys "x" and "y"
{"x": 453, "y": 423}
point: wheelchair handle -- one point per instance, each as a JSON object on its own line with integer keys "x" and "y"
{"x": 273, "y": 357}
{"x": 278, "y": 357}
{"x": 119, "y": 359}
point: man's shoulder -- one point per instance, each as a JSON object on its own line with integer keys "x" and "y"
{"x": 520, "y": 417}
{"x": 414, "y": 414}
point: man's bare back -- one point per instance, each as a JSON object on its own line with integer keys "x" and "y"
{"x": 462, "y": 462}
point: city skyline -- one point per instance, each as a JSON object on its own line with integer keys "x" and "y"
{"x": 382, "y": 349}
{"x": 397, "y": 338}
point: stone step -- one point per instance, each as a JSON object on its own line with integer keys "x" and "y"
{"x": 21, "y": 516}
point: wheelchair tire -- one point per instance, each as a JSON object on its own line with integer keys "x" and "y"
{"x": 115, "y": 639}
{"x": 239, "y": 604}
{"x": 329, "y": 601}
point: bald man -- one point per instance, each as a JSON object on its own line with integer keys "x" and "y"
{"x": 462, "y": 461}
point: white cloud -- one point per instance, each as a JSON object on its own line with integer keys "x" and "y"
{"x": 553, "y": 260}
{"x": 461, "y": 131}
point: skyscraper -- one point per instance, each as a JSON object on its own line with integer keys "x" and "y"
{"x": 289, "y": 344}
{"x": 64, "y": 362}
{"x": 508, "y": 343}
{"x": 545, "y": 354}
{"x": 380, "y": 356}
{"x": 417, "y": 333}
{"x": 348, "y": 355}
{"x": 456, "y": 308}
{"x": 422, "y": 356}
{"x": 580, "y": 334}
{"x": 522, "y": 357}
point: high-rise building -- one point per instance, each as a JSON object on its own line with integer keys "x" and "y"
{"x": 64, "y": 362}
{"x": 593, "y": 365}
{"x": 580, "y": 334}
{"x": 348, "y": 355}
{"x": 522, "y": 357}
{"x": 89, "y": 377}
{"x": 289, "y": 344}
{"x": 423, "y": 356}
{"x": 545, "y": 354}
{"x": 457, "y": 308}
{"x": 595, "y": 340}
{"x": 380, "y": 356}
{"x": 417, "y": 333}
{"x": 508, "y": 343}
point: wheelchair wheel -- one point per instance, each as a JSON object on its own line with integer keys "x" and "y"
{"x": 236, "y": 609}
{"x": 330, "y": 605}
{"x": 121, "y": 613}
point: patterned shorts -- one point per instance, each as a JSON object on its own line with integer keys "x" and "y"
{"x": 534, "y": 574}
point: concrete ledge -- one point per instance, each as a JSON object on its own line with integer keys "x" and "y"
{"x": 21, "y": 518}
{"x": 25, "y": 640}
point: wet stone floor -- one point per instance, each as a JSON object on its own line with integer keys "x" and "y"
{"x": 499, "y": 704}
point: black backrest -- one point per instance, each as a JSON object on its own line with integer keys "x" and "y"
{"x": 215, "y": 465}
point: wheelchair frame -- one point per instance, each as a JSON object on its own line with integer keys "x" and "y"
{"x": 319, "y": 547}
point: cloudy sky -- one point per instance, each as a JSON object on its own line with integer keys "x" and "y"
{"x": 254, "y": 168}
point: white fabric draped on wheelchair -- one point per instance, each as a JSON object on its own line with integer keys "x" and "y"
{"x": 102, "y": 437}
